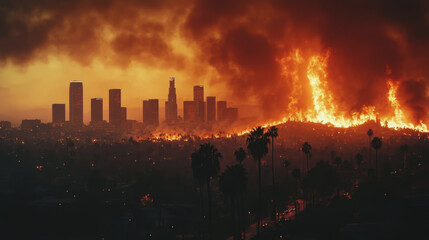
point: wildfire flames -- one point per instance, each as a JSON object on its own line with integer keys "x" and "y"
{"x": 324, "y": 109}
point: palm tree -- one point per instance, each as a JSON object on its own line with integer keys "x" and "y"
{"x": 273, "y": 133}
{"x": 286, "y": 164}
{"x": 404, "y": 151}
{"x": 306, "y": 148}
{"x": 240, "y": 155}
{"x": 257, "y": 144}
{"x": 296, "y": 174}
{"x": 376, "y": 143}
{"x": 197, "y": 166}
{"x": 370, "y": 133}
{"x": 359, "y": 159}
{"x": 205, "y": 163}
{"x": 233, "y": 183}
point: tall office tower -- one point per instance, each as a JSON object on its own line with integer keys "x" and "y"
{"x": 123, "y": 120}
{"x": 199, "y": 103}
{"x": 231, "y": 114}
{"x": 58, "y": 113}
{"x": 96, "y": 110}
{"x": 211, "y": 109}
{"x": 221, "y": 108}
{"x": 171, "y": 104}
{"x": 115, "y": 106}
{"x": 76, "y": 102}
{"x": 199, "y": 93}
{"x": 189, "y": 111}
{"x": 151, "y": 112}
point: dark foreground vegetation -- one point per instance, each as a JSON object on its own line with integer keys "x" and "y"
{"x": 320, "y": 183}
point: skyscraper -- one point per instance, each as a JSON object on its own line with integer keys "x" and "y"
{"x": 189, "y": 111}
{"x": 151, "y": 112}
{"x": 58, "y": 113}
{"x": 199, "y": 103}
{"x": 171, "y": 104}
{"x": 199, "y": 93}
{"x": 211, "y": 109}
{"x": 221, "y": 108}
{"x": 123, "y": 119}
{"x": 115, "y": 106}
{"x": 76, "y": 102}
{"x": 96, "y": 110}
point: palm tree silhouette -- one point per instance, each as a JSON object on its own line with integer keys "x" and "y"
{"x": 359, "y": 159}
{"x": 233, "y": 183}
{"x": 370, "y": 133}
{"x": 240, "y": 155}
{"x": 197, "y": 166}
{"x": 208, "y": 166}
{"x": 286, "y": 164}
{"x": 376, "y": 143}
{"x": 306, "y": 148}
{"x": 257, "y": 144}
{"x": 273, "y": 133}
{"x": 404, "y": 151}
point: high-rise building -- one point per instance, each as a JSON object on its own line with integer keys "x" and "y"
{"x": 151, "y": 112}
{"x": 189, "y": 111}
{"x": 123, "y": 120}
{"x": 76, "y": 102}
{"x": 211, "y": 109}
{"x": 199, "y": 93}
{"x": 171, "y": 104}
{"x": 58, "y": 113}
{"x": 221, "y": 108}
{"x": 96, "y": 110}
{"x": 199, "y": 103}
{"x": 231, "y": 114}
{"x": 115, "y": 106}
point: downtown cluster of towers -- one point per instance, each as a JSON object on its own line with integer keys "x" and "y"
{"x": 196, "y": 111}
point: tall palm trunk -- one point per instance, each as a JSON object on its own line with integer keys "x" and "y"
{"x": 200, "y": 182}
{"x": 274, "y": 181}
{"x": 259, "y": 201}
{"x": 242, "y": 218}
{"x": 209, "y": 208}
{"x": 233, "y": 219}
{"x": 306, "y": 155}
{"x": 376, "y": 164}
{"x": 370, "y": 153}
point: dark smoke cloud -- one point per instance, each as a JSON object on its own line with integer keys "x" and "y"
{"x": 243, "y": 40}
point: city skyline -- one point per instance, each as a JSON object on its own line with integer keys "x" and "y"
{"x": 117, "y": 114}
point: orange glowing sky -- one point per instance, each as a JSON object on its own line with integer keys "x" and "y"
{"x": 241, "y": 51}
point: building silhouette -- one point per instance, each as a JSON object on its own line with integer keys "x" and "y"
{"x": 58, "y": 113}
{"x": 171, "y": 104}
{"x": 189, "y": 111}
{"x": 96, "y": 110}
{"x": 151, "y": 112}
{"x": 115, "y": 106}
{"x": 221, "y": 108}
{"x": 76, "y": 102}
{"x": 211, "y": 109}
{"x": 30, "y": 124}
{"x": 123, "y": 119}
{"x": 199, "y": 103}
